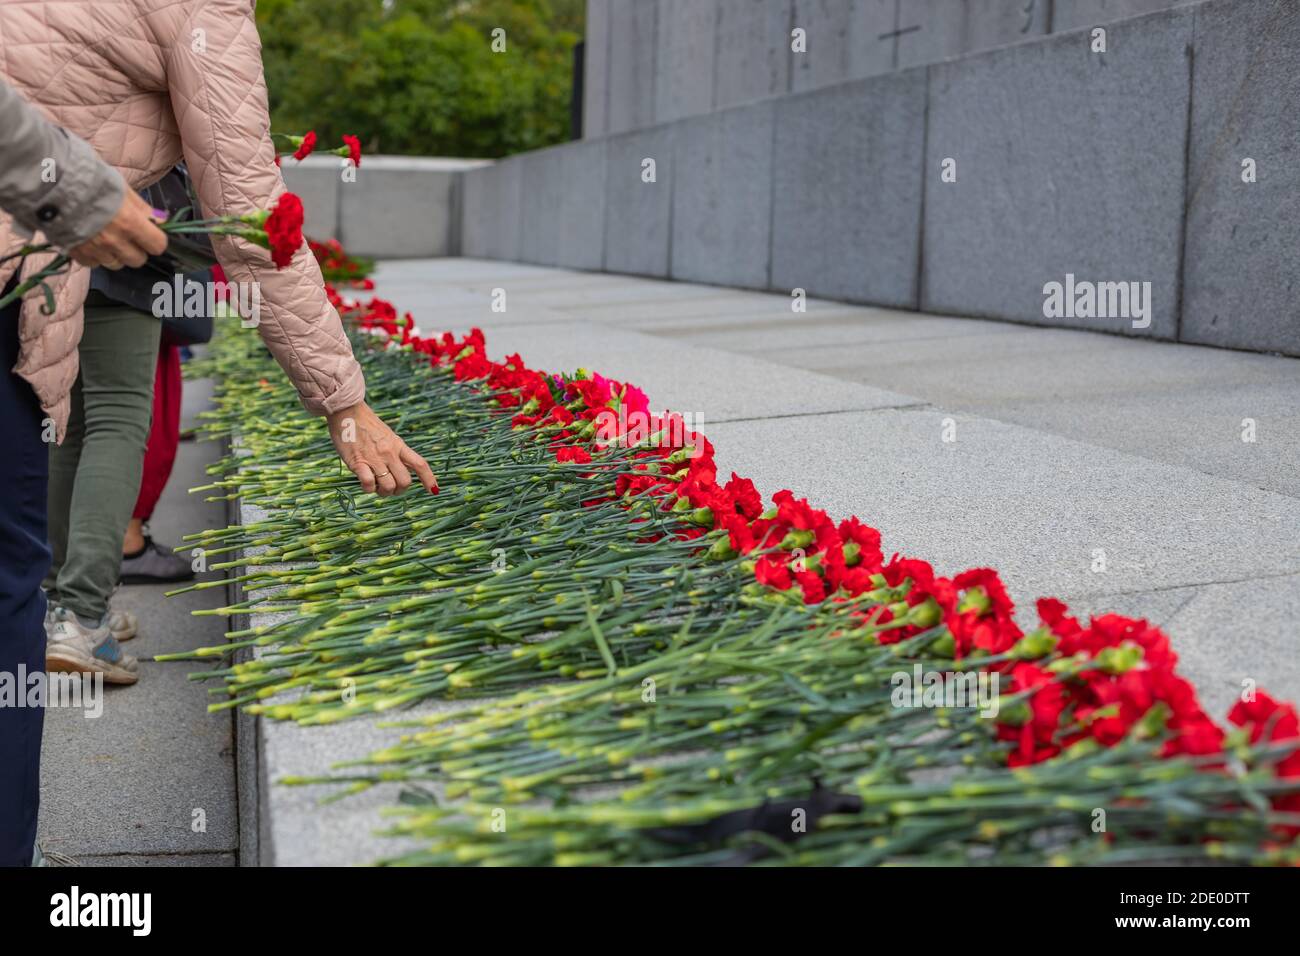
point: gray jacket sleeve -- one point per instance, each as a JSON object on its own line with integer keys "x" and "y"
{"x": 51, "y": 180}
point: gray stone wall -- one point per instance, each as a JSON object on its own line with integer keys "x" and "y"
{"x": 964, "y": 187}
{"x": 393, "y": 207}
{"x": 1067, "y": 163}
{"x": 654, "y": 61}
{"x": 1241, "y": 283}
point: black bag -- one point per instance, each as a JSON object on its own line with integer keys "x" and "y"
{"x": 187, "y": 330}
{"x": 190, "y": 256}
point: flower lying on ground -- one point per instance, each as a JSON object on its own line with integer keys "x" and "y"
{"x": 1095, "y": 682}
{"x": 582, "y": 557}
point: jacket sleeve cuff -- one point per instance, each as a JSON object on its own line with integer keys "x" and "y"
{"x": 84, "y": 198}
{"x": 350, "y": 391}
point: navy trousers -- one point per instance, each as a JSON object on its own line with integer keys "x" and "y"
{"x": 24, "y": 559}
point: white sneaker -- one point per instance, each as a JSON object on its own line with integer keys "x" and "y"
{"x": 72, "y": 646}
{"x": 123, "y": 624}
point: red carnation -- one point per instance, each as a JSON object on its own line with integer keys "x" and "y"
{"x": 745, "y": 497}
{"x": 354, "y": 149}
{"x": 899, "y": 569}
{"x": 472, "y": 366}
{"x": 573, "y": 454}
{"x": 740, "y": 536}
{"x": 284, "y": 229}
{"x": 773, "y": 571}
{"x": 1056, "y": 618}
{"x": 814, "y": 588}
{"x": 867, "y": 541}
{"x": 305, "y": 149}
{"x": 1270, "y": 721}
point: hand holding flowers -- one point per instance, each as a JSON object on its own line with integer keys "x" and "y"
{"x": 128, "y": 240}
{"x": 278, "y": 229}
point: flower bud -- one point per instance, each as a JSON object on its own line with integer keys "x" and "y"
{"x": 1013, "y": 712}
{"x": 1065, "y": 665}
{"x": 797, "y": 539}
{"x": 1081, "y": 748}
{"x": 926, "y": 614}
{"x": 1034, "y": 645}
{"x": 721, "y": 550}
{"x": 975, "y": 599}
{"x": 1119, "y": 660}
{"x": 945, "y": 646}
{"x": 1153, "y": 721}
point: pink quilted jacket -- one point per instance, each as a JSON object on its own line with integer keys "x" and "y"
{"x": 148, "y": 83}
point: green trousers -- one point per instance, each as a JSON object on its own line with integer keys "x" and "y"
{"x": 95, "y": 473}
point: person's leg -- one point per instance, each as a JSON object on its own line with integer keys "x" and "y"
{"x": 134, "y": 544}
{"x": 24, "y": 557}
{"x": 118, "y": 352}
{"x": 164, "y": 433}
{"x": 64, "y": 460}
{"x": 143, "y": 560}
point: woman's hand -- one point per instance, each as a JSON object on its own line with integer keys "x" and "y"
{"x": 128, "y": 240}
{"x": 374, "y": 453}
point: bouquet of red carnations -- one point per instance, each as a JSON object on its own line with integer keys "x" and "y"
{"x": 278, "y": 229}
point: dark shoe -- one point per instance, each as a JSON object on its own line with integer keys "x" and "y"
{"x": 155, "y": 564}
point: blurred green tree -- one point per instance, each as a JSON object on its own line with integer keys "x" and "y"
{"x": 420, "y": 77}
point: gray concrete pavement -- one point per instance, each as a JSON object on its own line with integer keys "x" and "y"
{"x": 126, "y": 788}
